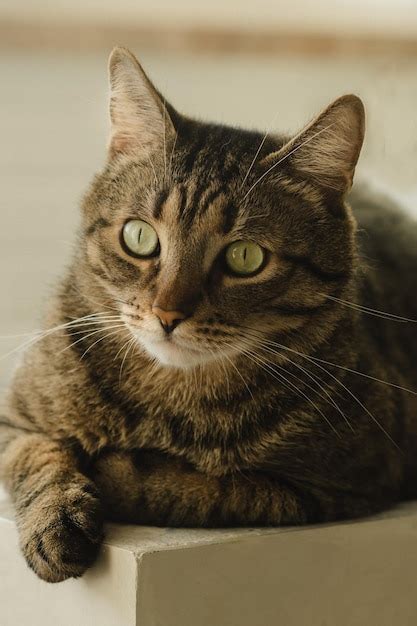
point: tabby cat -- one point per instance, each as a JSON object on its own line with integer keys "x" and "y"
{"x": 216, "y": 354}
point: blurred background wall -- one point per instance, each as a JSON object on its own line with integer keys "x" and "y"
{"x": 360, "y": 16}
{"x": 266, "y": 64}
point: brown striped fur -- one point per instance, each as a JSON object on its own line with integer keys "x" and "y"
{"x": 236, "y": 418}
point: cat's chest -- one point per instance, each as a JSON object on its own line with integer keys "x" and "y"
{"x": 213, "y": 434}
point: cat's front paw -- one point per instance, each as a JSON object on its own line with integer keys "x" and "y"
{"x": 61, "y": 530}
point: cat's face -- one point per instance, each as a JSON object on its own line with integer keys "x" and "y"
{"x": 208, "y": 238}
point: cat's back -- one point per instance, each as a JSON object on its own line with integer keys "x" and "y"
{"x": 387, "y": 237}
{"x": 387, "y": 229}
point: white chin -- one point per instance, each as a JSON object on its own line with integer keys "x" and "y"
{"x": 171, "y": 354}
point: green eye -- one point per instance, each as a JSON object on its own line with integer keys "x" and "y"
{"x": 244, "y": 257}
{"x": 140, "y": 238}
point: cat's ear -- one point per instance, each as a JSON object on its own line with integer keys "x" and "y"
{"x": 140, "y": 122}
{"x": 328, "y": 148}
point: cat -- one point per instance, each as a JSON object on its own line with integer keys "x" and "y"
{"x": 216, "y": 354}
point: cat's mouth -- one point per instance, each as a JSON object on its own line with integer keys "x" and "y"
{"x": 171, "y": 352}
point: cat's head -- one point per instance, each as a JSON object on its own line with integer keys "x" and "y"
{"x": 209, "y": 238}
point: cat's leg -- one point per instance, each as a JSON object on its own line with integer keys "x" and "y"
{"x": 150, "y": 488}
{"x": 58, "y": 511}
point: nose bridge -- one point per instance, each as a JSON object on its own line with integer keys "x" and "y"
{"x": 179, "y": 286}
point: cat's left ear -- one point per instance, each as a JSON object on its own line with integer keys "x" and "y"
{"x": 327, "y": 150}
{"x": 140, "y": 122}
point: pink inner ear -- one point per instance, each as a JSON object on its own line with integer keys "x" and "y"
{"x": 119, "y": 143}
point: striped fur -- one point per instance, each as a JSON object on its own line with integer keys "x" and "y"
{"x": 251, "y": 425}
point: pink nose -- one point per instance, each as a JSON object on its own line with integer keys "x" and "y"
{"x": 168, "y": 319}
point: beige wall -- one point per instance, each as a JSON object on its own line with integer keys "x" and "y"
{"x": 395, "y": 17}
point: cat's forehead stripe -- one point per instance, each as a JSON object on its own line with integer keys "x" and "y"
{"x": 159, "y": 203}
{"x": 182, "y": 200}
{"x": 191, "y": 205}
{"x": 193, "y": 151}
{"x": 230, "y": 214}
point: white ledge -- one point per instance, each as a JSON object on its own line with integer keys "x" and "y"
{"x": 348, "y": 574}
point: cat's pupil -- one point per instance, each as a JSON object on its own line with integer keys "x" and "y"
{"x": 140, "y": 235}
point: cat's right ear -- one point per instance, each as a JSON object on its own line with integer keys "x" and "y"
{"x": 140, "y": 122}
{"x": 326, "y": 151}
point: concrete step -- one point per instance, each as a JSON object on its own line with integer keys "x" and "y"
{"x": 348, "y": 574}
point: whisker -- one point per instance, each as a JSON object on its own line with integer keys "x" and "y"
{"x": 327, "y": 397}
{"x": 275, "y": 374}
{"x": 284, "y": 158}
{"x": 165, "y": 143}
{"x": 369, "y": 311}
{"x": 172, "y": 154}
{"x": 339, "y": 382}
{"x": 365, "y": 408}
{"x": 254, "y": 158}
{"x": 90, "y": 334}
{"x": 32, "y": 333}
{"x": 153, "y": 170}
{"x": 88, "y": 327}
{"x": 377, "y": 380}
{"x": 342, "y": 367}
{"x": 131, "y": 343}
{"x": 121, "y": 349}
{"x": 114, "y": 332}
{"x": 226, "y": 372}
{"x": 95, "y": 302}
{"x": 123, "y": 301}
{"x": 75, "y": 321}
{"x": 43, "y": 334}
{"x": 226, "y": 356}
{"x": 28, "y": 334}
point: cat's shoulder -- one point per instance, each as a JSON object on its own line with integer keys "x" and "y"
{"x": 377, "y": 206}
{"x": 387, "y": 222}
